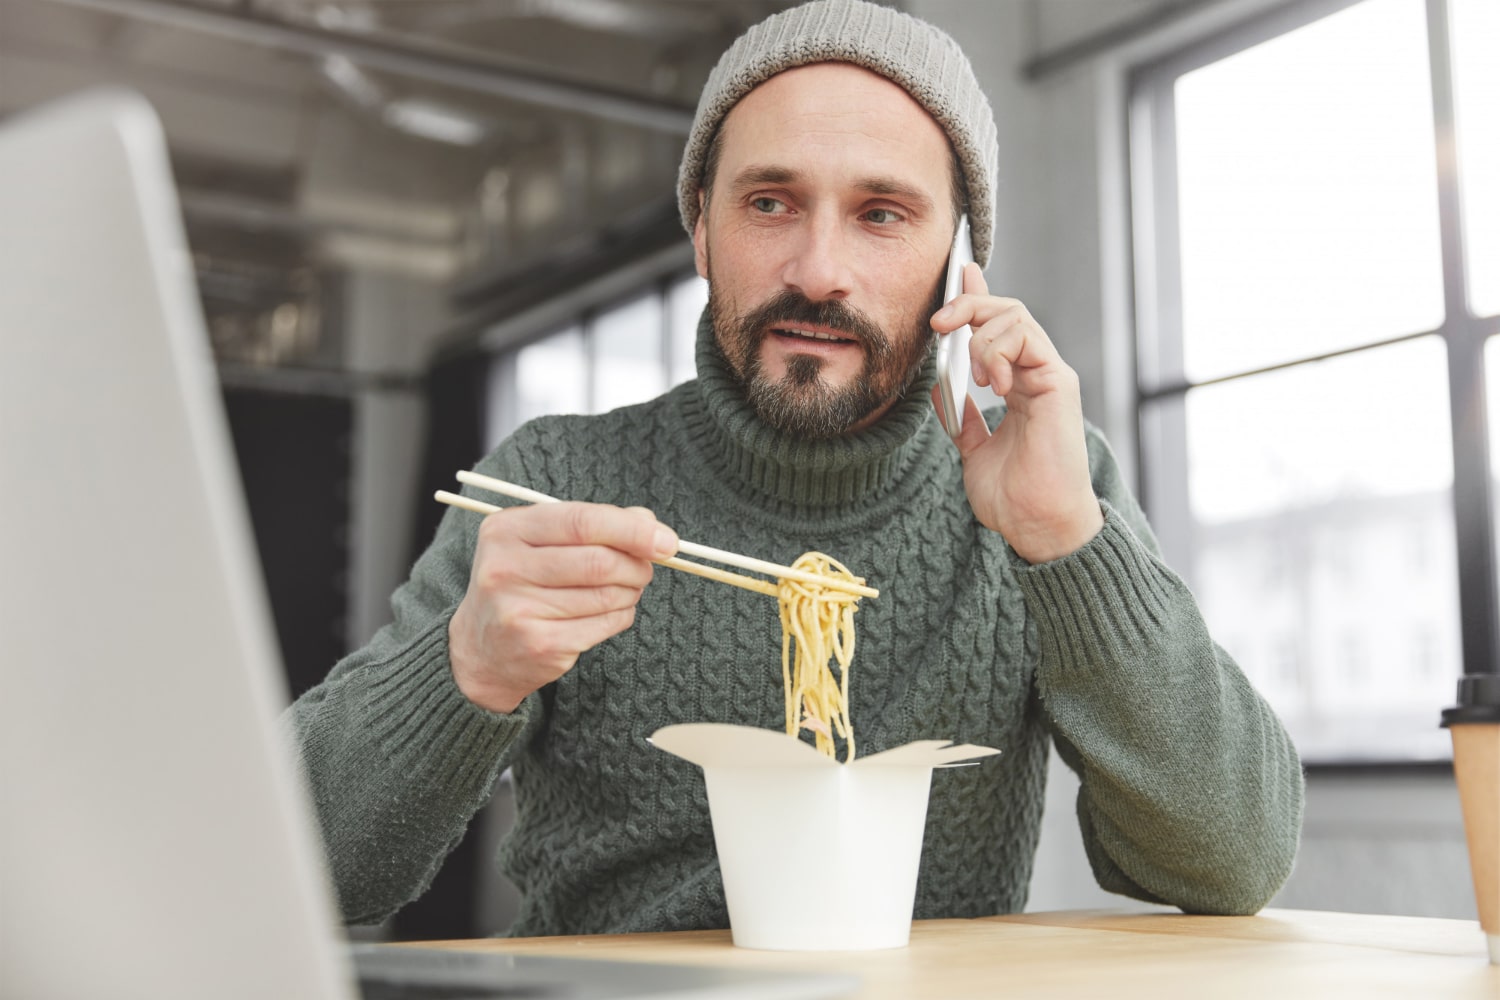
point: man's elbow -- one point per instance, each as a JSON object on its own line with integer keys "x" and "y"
{"x": 1243, "y": 884}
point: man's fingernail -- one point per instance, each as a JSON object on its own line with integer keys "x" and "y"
{"x": 666, "y": 541}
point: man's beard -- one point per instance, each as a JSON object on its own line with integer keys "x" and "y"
{"x": 801, "y": 403}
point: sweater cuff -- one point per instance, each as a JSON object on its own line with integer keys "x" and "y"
{"x": 1112, "y": 594}
{"x": 419, "y": 718}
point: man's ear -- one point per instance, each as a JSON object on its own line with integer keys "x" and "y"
{"x": 700, "y": 239}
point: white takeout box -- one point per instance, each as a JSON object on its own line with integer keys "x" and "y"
{"x": 816, "y": 855}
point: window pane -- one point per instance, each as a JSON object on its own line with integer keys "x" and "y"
{"x": 628, "y": 366}
{"x": 1323, "y": 546}
{"x": 686, "y": 302}
{"x": 1492, "y": 387}
{"x": 1475, "y": 30}
{"x": 1308, "y": 192}
{"x": 550, "y": 376}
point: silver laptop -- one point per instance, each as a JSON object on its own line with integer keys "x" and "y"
{"x": 154, "y": 841}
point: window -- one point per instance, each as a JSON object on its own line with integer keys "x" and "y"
{"x": 685, "y": 303}
{"x": 629, "y": 363}
{"x": 1317, "y": 282}
{"x": 626, "y": 353}
{"x": 1476, "y": 84}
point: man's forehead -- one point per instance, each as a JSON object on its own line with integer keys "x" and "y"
{"x": 807, "y": 114}
{"x": 830, "y": 85}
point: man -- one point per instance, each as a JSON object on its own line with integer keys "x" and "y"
{"x": 1022, "y": 597}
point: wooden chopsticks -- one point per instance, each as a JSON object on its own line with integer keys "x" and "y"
{"x": 723, "y": 576}
{"x": 690, "y": 548}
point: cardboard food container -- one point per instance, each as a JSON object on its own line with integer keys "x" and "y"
{"x": 816, "y": 855}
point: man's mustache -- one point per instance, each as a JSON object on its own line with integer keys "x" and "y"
{"x": 792, "y": 307}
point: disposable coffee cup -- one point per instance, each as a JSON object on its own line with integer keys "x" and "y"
{"x": 1475, "y": 726}
{"x": 816, "y": 855}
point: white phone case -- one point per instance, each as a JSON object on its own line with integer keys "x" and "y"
{"x": 953, "y": 348}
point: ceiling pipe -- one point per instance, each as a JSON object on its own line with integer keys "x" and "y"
{"x": 438, "y": 64}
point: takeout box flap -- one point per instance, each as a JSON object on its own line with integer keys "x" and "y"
{"x": 927, "y": 753}
{"x": 720, "y": 744}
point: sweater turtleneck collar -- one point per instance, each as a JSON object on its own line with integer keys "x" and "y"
{"x": 804, "y": 473}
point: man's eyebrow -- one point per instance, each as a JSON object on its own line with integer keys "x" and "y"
{"x": 754, "y": 176}
{"x": 884, "y": 186}
{"x": 892, "y": 188}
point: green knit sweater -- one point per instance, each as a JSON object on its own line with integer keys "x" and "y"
{"x": 1191, "y": 791}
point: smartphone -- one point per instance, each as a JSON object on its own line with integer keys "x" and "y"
{"x": 953, "y": 349}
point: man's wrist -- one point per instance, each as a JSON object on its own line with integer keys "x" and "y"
{"x": 503, "y": 701}
{"x": 470, "y": 678}
{"x": 1056, "y": 541}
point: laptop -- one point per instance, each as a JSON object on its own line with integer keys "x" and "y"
{"x": 154, "y": 838}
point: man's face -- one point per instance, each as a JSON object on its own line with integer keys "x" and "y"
{"x": 824, "y": 243}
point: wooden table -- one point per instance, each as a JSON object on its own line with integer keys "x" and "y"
{"x": 1279, "y": 955}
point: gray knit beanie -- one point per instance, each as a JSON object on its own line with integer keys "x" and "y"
{"x": 921, "y": 59}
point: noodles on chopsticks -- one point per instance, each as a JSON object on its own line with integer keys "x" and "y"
{"x": 817, "y": 637}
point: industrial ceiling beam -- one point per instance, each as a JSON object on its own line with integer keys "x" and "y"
{"x": 438, "y": 64}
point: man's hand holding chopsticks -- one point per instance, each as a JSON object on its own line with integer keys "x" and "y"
{"x": 548, "y": 582}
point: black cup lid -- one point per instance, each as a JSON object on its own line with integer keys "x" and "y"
{"x": 1478, "y": 700}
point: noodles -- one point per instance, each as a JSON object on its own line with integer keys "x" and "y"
{"x": 817, "y": 625}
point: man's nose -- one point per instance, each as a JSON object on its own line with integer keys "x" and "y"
{"x": 819, "y": 264}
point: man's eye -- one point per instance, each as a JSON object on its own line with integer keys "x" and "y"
{"x": 767, "y": 205}
{"x": 882, "y": 216}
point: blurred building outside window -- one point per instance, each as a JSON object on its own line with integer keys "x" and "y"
{"x": 623, "y": 354}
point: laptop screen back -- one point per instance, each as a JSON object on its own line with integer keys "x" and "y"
{"x": 154, "y": 842}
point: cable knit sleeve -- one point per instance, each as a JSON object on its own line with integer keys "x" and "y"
{"x": 396, "y": 759}
{"x": 1191, "y": 790}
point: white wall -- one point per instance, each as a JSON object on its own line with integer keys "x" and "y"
{"x": 1371, "y": 842}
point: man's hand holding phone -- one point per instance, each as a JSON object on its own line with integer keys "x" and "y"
{"x": 1029, "y": 480}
